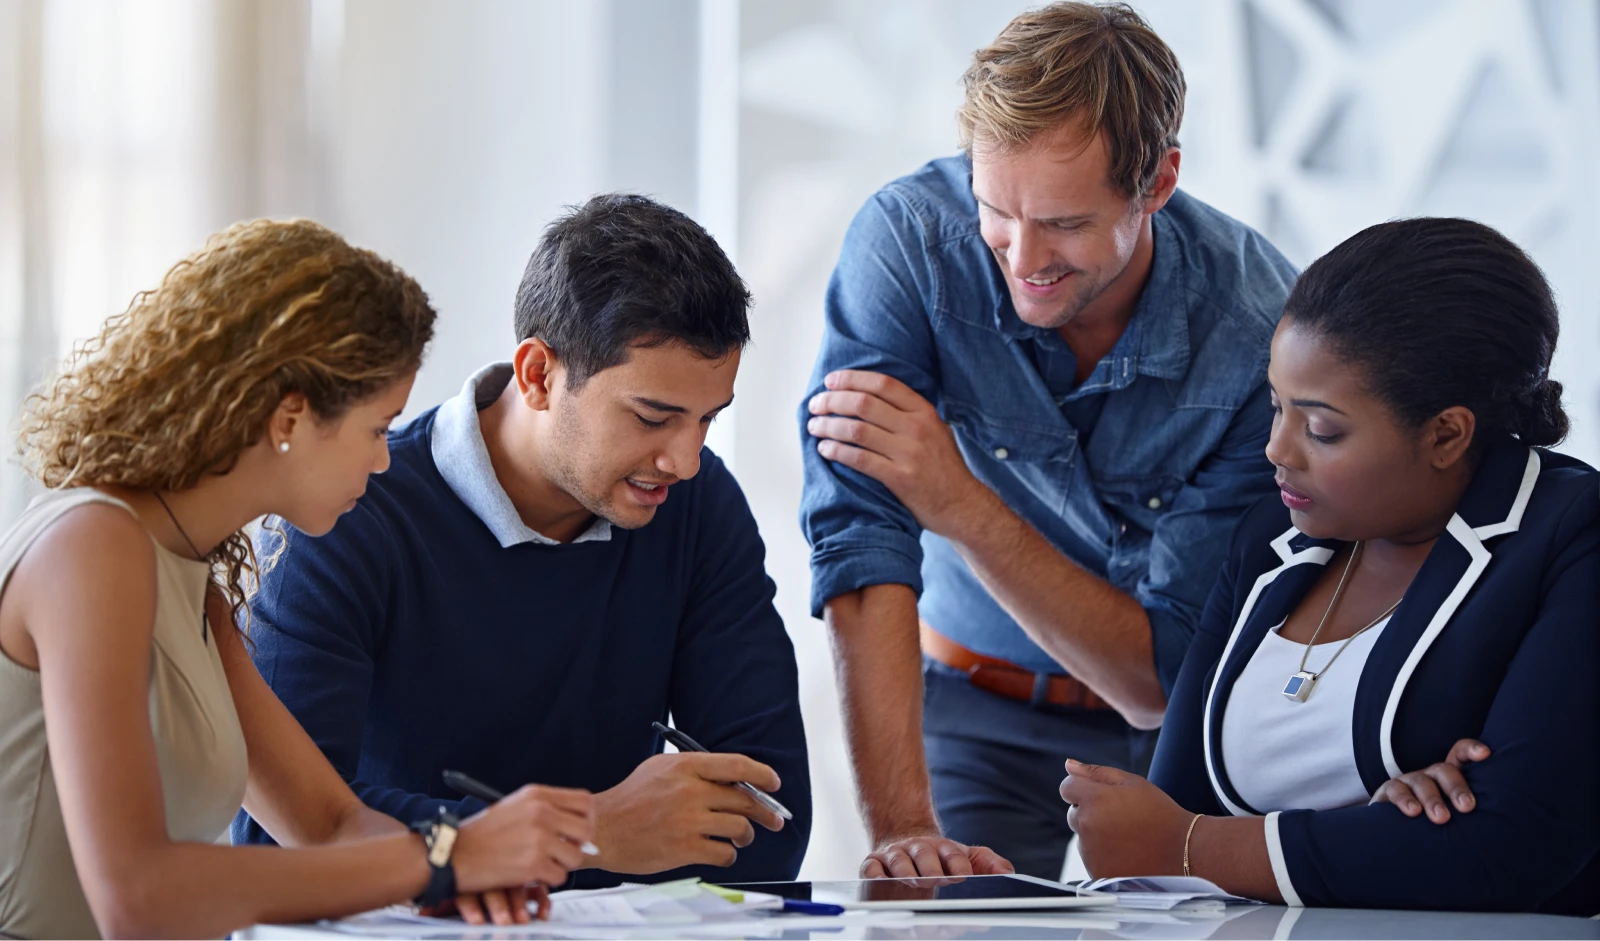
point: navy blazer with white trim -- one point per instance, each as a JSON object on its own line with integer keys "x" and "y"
{"x": 1498, "y": 638}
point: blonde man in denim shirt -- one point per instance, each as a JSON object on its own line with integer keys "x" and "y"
{"x": 1037, "y": 412}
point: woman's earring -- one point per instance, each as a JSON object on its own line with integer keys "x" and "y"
{"x": 283, "y": 448}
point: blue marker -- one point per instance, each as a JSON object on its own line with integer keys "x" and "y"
{"x": 811, "y": 908}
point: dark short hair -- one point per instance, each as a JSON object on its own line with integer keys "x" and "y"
{"x": 1441, "y": 312}
{"x": 622, "y": 271}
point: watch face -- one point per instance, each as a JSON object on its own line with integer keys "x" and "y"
{"x": 444, "y": 840}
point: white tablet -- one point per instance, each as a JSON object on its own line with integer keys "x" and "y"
{"x": 971, "y": 893}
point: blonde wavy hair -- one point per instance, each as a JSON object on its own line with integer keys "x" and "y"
{"x": 181, "y": 383}
{"x": 1099, "y": 65}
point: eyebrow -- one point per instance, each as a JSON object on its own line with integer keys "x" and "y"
{"x": 1058, "y": 220}
{"x": 1315, "y": 403}
{"x": 658, "y": 406}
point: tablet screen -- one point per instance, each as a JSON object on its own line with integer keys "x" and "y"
{"x": 856, "y": 891}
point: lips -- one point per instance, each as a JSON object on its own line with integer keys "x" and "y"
{"x": 1040, "y": 287}
{"x": 647, "y": 493}
{"x": 1294, "y": 499}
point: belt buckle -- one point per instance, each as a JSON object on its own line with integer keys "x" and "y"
{"x": 1041, "y": 690}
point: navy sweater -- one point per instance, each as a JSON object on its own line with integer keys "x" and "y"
{"x": 408, "y": 641}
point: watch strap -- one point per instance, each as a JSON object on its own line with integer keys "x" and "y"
{"x": 441, "y": 886}
{"x": 442, "y": 874}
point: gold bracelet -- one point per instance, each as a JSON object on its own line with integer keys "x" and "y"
{"x": 1186, "y": 838}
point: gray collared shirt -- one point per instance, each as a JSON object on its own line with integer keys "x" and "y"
{"x": 463, "y": 462}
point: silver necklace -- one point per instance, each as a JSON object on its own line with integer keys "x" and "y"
{"x": 1300, "y": 685}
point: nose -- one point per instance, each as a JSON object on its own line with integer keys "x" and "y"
{"x": 1028, "y": 254}
{"x": 1280, "y": 448}
{"x": 681, "y": 458}
{"x": 382, "y": 463}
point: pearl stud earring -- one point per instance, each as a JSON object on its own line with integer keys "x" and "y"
{"x": 284, "y": 447}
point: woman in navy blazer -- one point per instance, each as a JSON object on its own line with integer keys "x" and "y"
{"x": 1410, "y": 380}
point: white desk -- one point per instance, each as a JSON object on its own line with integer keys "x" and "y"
{"x": 1265, "y": 922}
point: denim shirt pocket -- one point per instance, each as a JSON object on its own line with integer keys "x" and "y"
{"x": 1139, "y": 501}
{"x": 1135, "y": 505}
{"x": 1004, "y": 454}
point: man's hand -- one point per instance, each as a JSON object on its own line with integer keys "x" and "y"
{"x": 930, "y": 854}
{"x": 1428, "y": 788}
{"x": 680, "y": 810}
{"x": 881, "y": 427}
{"x": 1126, "y": 826}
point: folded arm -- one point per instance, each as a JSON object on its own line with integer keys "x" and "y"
{"x": 1523, "y": 840}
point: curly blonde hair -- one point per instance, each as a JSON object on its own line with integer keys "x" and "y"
{"x": 185, "y": 380}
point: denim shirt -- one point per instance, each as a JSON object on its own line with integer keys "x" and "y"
{"x": 1138, "y": 474}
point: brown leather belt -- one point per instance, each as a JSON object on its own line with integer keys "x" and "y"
{"x": 1004, "y": 678}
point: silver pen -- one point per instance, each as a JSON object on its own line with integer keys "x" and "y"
{"x": 685, "y": 743}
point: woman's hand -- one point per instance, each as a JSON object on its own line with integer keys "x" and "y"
{"x": 1126, "y": 826}
{"x": 530, "y": 837}
{"x": 1428, "y": 789}
{"x": 500, "y": 906}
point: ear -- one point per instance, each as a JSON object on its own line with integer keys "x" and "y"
{"x": 1166, "y": 182}
{"x": 292, "y": 411}
{"x": 1449, "y": 436}
{"x": 536, "y": 369}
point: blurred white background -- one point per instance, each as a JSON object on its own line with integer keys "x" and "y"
{"x": 444, "y": 135}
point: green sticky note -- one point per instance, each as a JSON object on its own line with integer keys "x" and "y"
{"x": 730, "y": 895}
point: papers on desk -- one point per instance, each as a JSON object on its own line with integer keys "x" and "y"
{"x": 684, "y": 902}
{"x": 1165, "y": 893}
{"x": 627, "y": 910}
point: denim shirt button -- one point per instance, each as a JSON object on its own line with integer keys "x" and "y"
{"x": 1001, "y": 453}
{"x": 1154, "y": 504}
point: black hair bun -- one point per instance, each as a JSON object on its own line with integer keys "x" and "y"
{"x": 1541, "y": 421}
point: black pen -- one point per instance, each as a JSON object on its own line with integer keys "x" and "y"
{"x": 685, "y": 743}
{"x": 472, "y": 787}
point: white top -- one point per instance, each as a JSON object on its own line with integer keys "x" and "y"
{"x": 463, "y": 462}
{"x": 1287, "y": 755}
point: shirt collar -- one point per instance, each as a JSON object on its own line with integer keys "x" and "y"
{"x": 463, "y": 462}
{"x": 1156, "y": 341}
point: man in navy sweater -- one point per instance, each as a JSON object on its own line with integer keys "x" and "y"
{"x": 552, "y": 562}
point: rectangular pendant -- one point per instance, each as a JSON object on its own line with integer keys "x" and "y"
{"x": 1299, "y": 686}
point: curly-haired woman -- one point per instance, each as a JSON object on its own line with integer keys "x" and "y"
{"x": 259, "y": 378}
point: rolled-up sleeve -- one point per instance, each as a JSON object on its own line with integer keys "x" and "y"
{"x": 876, "y": 318}
{"x": 1190, "y": 542}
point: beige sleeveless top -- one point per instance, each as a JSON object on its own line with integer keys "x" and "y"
{"x": 199, "y": 743}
